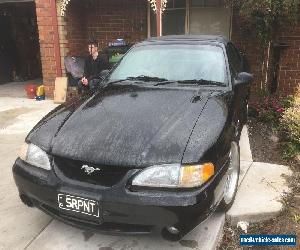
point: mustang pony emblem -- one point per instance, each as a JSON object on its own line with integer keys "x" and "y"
{"x": 89, "y": 170}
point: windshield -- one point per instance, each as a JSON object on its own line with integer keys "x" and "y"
{"x": 173, "y": 63}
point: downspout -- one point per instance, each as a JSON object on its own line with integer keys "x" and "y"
{"x": 56, "y": 38}
{"x": 267, "y": 66}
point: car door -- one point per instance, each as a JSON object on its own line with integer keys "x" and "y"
{"x": 240, "y": 92}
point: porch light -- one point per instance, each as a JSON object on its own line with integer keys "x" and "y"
{"x": 63, "y": 6}
{"x": 153, "y": 4}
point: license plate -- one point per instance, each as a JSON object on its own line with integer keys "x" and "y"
{"x": 78, "y": 204}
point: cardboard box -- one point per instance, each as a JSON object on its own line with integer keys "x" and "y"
{"x": 61, "y": 87}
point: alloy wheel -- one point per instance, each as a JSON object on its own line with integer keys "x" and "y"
{"x": 232, "y": 174}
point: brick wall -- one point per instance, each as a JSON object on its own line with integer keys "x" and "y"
{"x": 76, "y": 27}
{"x": 63, "y": 41}
{"x": 259, "y": 59}
{"x": 46, "y": 36}
{"x": 289, "y": 70}
{"x": 247, "y": 43}
{"x": 104, "y": 20}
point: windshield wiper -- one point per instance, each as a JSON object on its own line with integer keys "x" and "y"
{"x": 116, "y": 81}
{"x": 147, "y": 78}
{"x": 164, "y": 83}
{"x": 140, "y": 78}
{"x": 201, "y": 82}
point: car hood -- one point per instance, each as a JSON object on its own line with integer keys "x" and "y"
{"x": 123, "y": 125}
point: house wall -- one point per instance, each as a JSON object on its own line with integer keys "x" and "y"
{"x": 107, "y": 20}
{"x": 104, "y": 20}
{"x": 289, "y": 69}
{"x": 46, "y": 28}
{"x": 261, "y": 60}
{"x": 246, "y": 42}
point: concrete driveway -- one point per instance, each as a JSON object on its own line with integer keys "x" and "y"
{"x": 26, "y": 228}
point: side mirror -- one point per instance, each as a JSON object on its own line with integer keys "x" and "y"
{"x": 243, "y": 78}
{"x": 104, "y": 73}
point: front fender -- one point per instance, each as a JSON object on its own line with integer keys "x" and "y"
{"x": 211, "y": 137}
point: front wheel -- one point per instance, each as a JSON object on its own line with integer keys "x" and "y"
{"x": 232, "y": 179}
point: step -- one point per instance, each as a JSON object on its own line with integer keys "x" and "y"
{"x": 258, "y": 197}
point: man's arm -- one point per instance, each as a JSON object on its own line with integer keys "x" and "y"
{"x": 86, "y": 74}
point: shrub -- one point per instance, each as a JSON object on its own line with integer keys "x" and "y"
{"x": 269, "y": 108}
{"x": 290, "y": 125}
{"x": 290, "y": 121}
{"x": 290, "y": 150}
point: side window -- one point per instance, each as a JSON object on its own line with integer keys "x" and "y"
{"x": 235, "y": 61}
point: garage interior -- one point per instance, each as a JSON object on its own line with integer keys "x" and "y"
{"x": 20, "y": 58}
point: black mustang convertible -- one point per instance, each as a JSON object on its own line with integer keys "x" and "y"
{"x": 156, "y": 145}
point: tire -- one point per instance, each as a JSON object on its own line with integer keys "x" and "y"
{"x": 232, "y": 178}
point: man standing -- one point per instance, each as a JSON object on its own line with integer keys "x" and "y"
{"x": 93, "y": 66}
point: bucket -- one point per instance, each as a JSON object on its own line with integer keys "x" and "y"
{"x": 31, "y": 91}
{"x": 40, "y": 95}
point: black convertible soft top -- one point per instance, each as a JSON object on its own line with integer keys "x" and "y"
{"x": 186, "y": 39}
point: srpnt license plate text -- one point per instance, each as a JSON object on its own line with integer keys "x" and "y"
{"x": 78, "y": 204}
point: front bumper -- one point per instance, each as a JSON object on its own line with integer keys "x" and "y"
{"x": 121, "y": 209}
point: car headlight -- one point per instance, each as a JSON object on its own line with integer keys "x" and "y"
{"x": 35, "y": 156}
{"x": 175, "y": 176}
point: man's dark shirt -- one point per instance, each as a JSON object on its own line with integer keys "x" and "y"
{"x": 92, "y": 68}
